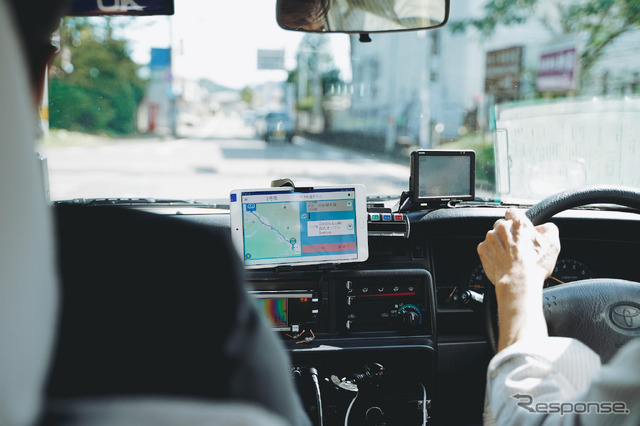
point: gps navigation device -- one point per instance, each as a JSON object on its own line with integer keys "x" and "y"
{"x": 439, "y": 176}
{"x": 287, "y": 226}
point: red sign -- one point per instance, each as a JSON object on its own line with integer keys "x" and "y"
{"x": 557, "y": 70}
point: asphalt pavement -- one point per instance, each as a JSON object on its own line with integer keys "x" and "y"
{"x": 207, "y": 162}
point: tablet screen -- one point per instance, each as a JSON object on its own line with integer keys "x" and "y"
{"x": 278, "y": 226}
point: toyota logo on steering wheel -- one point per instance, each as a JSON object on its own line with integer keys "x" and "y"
{"x": 626, "y": 317}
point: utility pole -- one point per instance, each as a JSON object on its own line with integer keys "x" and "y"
{"x": 173, "y": 113}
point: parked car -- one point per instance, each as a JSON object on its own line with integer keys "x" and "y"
{"x": 279, "y": 126}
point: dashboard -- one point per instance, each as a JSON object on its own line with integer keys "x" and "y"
{"x": 414, "y": 309}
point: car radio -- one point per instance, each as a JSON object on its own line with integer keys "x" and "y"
{"x": 289, "y": 310}
{"x": 348, "y": 302}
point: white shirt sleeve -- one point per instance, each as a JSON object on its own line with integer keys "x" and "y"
{"x": 559, "y": 381}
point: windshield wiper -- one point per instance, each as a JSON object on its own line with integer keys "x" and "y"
{"x": 139, "y": 202}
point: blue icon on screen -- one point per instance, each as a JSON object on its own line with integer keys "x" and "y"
{"x": 251, "y": 207}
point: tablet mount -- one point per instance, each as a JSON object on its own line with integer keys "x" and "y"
{"x": 381, "y": 220}
{"x": 407, "y": 203}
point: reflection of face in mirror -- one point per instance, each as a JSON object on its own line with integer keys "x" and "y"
{"x": 307, "y": 15}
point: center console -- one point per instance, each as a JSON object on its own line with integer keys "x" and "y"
{"x": 362, "y": 342}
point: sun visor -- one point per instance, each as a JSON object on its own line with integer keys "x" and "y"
{"x": 120, "y": 7}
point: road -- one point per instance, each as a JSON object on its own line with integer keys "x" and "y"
{"x": 207, "y": 163}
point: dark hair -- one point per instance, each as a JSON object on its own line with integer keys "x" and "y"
{"x": 294, "y": 14}
{"x": 36, "y": 20}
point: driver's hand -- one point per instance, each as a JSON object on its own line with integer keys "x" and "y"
{"x": 517, "y": 257}
{"x": 515, "y": 252}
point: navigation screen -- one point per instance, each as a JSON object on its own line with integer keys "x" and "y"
{"x": 275, "y": 310}
{"x": 442, "y": 175}
{"x": 288, "y": 227}
{"x": 286, "y": 310}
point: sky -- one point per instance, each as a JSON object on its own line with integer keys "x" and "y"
{"x": 219, "y": 40}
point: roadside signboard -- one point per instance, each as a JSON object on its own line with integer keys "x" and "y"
{"x": 160, "y": 58}
{"x": 503, "y": 70}
{"x": 270, "y": 59}
{"x": 557, "y": 70}
{"x": 120, "y": 7}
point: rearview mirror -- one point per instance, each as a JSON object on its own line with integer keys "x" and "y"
{"x": 361, "y": 16}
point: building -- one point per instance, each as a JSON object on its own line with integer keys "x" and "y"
{"x": 517, "y": 63}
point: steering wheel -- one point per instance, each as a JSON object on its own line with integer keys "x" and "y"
{"x": 602, "y": 313}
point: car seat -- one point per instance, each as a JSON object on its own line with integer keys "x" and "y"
{"x": 28, "y": 297}
{"x": 29, "y": 290}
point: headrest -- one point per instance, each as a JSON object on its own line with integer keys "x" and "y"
{"x": 28, "y": 293}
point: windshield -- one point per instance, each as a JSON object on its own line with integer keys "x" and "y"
{"x": 218, "y": 97}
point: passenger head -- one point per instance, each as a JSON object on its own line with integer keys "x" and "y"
{"x": 36, "y": 21}
{"x": 302, "y": 14}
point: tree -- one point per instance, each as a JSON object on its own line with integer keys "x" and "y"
{"x": 330, "y": 78}
{"x": 599, "y": 21}
{"x": 316, "y": 71}
{"x": 94, "y": 83}
{"x": 247, "y": 95}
